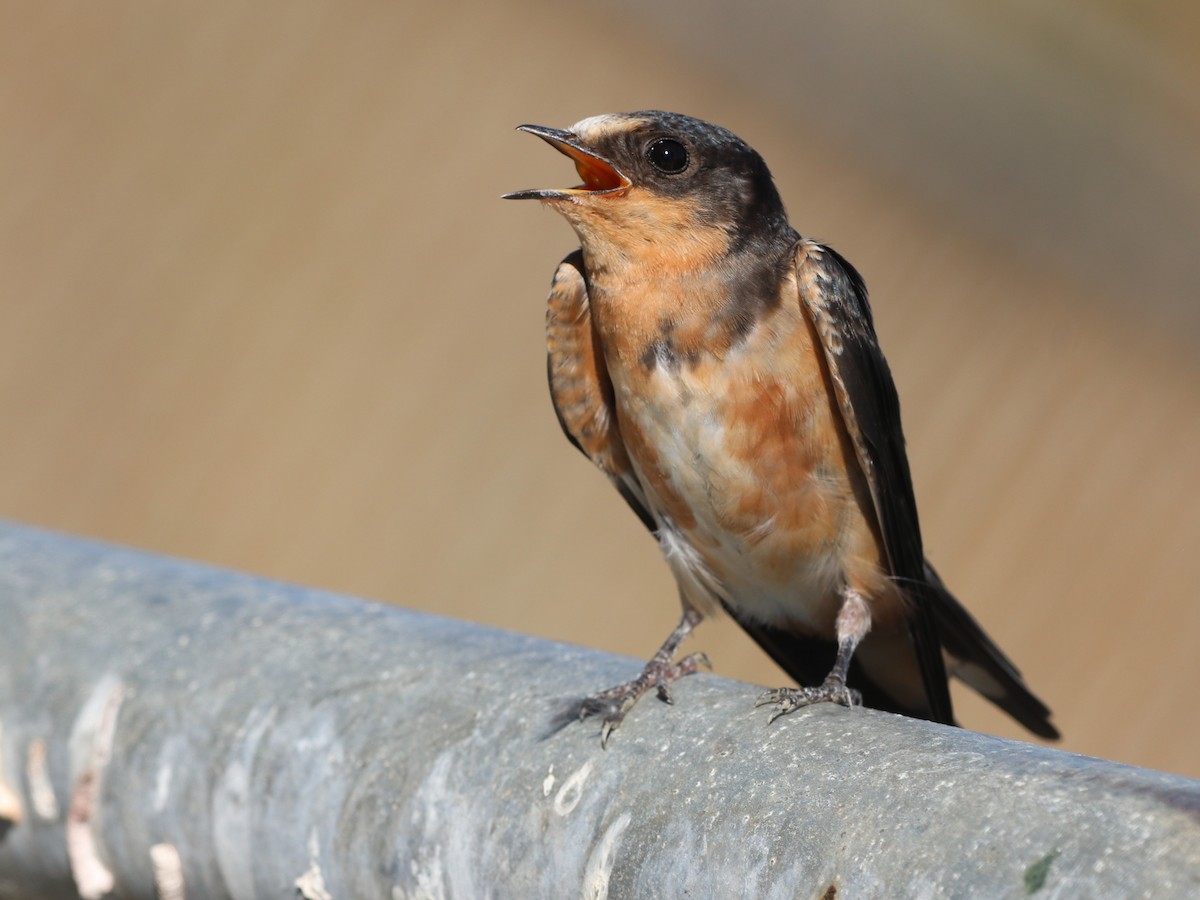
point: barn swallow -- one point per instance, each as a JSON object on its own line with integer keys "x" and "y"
{"x": 725, "y": 374}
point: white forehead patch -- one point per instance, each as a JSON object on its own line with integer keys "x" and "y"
{"x": 593, "y": 128}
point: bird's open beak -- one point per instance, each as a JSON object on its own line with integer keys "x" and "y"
{"x": 598, "y": 174}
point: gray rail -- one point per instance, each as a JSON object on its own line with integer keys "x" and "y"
{"x": 176, "y": 731}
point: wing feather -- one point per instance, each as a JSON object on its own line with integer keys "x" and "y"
{"x": 580, "y": 388}
{"x": 835, "y": 297}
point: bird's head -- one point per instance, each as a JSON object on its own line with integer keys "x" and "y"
{"x": 658, "y": 184}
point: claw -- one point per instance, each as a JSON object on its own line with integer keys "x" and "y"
{"x": 611, "y": 705}
{"x": 782, "y": 711}
{"x": 785, "y": 700}
{"x": 658, "y": 674}
{"x": 768, "y": 697}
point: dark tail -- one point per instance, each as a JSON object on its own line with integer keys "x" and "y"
{"x": 983, "y": 665}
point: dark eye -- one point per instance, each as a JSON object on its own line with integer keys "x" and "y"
{"x": 667, "y": 156}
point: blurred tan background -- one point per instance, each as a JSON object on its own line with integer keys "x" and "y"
{"x": 263, "y": 306}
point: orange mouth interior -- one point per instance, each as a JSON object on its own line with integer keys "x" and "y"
{"x": 597, "y": 175}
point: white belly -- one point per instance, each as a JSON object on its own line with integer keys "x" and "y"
{"x": 751, "y": 555}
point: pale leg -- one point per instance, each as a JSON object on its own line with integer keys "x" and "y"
{"x": 659, "y": 672}
{"x": 853, "y": 623}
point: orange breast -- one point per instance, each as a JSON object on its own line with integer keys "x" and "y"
{"x": 742, "y": 452}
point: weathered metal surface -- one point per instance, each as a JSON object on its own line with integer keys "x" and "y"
{"x": 226, "y": 736}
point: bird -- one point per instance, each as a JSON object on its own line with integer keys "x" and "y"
{"x": 724, "y": 373}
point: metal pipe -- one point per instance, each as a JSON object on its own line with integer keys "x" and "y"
{"x": 171, "y": 730}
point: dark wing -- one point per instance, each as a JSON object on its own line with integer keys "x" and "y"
{"x": 835, "y": 298}
{"x": 579, "y": 385}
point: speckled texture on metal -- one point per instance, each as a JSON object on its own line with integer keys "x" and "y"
{"x": 236, "y": 737}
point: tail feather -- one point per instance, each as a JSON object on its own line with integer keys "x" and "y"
{"x": 983, "y": 665}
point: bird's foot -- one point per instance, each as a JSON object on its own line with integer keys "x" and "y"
{"x": 612, "y": 705}
{"x": 785, "y": 700}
